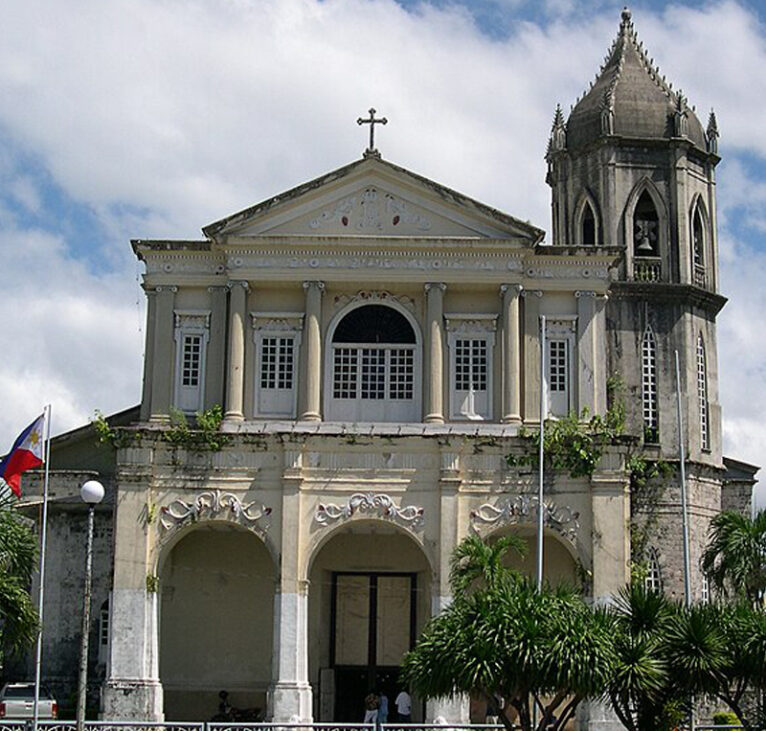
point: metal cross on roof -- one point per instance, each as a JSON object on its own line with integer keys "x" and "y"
{"x": 371, "y": 151}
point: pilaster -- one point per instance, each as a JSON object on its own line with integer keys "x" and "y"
{"x": 511, "y": 353}
{"x": 235, "y": 376}
{"x": 591, "y": 355}
{"x": 162, "y": 353}
{"x": 434, "y": 374}
{"x": 146, "y": 392}
{"x": 532, "y": 355}
{"x": 312, "y": 378}
{"x": 214, "y": 364}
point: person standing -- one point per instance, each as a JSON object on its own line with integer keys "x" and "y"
{"x": 403, "y": 704}
{"x": 371, "y": 708}
{"x": 382, "y": 708}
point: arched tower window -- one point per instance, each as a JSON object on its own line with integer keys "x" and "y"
{"x": 698, "y": 246}
{"x": 653, "y": 579}
{"x": 373, "y": 366}
{"x": 588, "y": 226}
{"x": 649, "y": 386}
{"x": 702, "y": 397}
{"x": 646, "y": 227}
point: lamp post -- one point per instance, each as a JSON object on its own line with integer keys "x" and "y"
{"x": 92, "y": 493}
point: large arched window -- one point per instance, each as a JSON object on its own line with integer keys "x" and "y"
{"x": 373, "y": 367}
{"x": 649, "y": 386}
{"x": 646, "y": 227}
{"x": 702, "y": 398}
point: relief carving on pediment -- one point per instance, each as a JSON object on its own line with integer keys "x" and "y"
{"x": 371, "y": 211}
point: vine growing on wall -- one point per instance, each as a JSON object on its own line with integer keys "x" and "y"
{"x": 203, "y": 435}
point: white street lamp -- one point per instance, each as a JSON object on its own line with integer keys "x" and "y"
{"x": 92, "y": 493}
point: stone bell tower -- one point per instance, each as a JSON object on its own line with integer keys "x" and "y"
{"x": 632, "y": 168}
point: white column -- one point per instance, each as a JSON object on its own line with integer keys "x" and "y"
{"x": 434, "y": 375}
{"x": 235, "y": 376}
{"x": 311, "y": 410}
{"x": 162, "y": 353}
{"x": 132, "y": 687}
{"x": 511, "y": 353}
{"x": 290, "y": 695}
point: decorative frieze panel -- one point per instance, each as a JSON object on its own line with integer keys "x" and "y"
{"x": 373, "y": 505}
{"x": 523, "y": 509}
{"x": 212, "y": 504}
{"x": 286, "y": 322}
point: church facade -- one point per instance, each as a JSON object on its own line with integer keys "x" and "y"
{"x": 374, "y": 341}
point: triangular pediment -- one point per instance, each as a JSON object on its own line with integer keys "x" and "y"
{"x": 373, "y": 198}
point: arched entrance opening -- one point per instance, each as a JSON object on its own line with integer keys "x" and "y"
{"x": 369, "y": 598}
{"x": 559, "y": 565}
{"x": 216, "y": 621}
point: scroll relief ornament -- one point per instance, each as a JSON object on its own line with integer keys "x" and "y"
{"x": 381, "y": 506}
{"x": 212, "y": 504}
{"x": 523, "y": 509}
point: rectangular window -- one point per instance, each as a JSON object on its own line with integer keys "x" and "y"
{"x": 373, "y": 374}
{"x": 277, "y": 361}
{"x": 191, "y": 336}
{"x": 277, "y": 357}
{"x": 471, "y": 367}
{"x": 192, "y": 356}
{"x": 558, "y": 375}
{"x": 402, "y": 374}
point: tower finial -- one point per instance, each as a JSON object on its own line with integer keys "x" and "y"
{"x": 626, "y": 15}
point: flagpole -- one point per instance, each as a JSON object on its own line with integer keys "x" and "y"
{"x": 41, "y": 592}
{"x": 541, "y": 475}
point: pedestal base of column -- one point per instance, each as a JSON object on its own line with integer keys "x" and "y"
{"x": 311, "y": 416}
{"x": 433, "y": 419}
{"x": 159, "y": 419}
{"x": 512, "y": 419}
{"x": 447, "y": 711}
{"x": 233, "y": 417}
{"x": 595, "y": 716}
{"x": 290, "y": 703}
{"x": 128, "y": 700}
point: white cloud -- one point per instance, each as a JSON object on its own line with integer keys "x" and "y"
{"x": 162, "y": 117}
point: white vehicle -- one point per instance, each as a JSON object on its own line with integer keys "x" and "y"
{"x": 17, "y": 700}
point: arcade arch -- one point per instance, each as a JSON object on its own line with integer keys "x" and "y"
{"x": 369, "y": 598}
{"x": 216, "y": 620}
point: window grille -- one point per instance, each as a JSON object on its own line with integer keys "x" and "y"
{"x": 373, "y": 373}
{"x": 471, "y": 364}
{"x": 345, "y": 372}
{"x": 649, "y": 385}
{"x": 277, "y": 362}
{"x": 653, "y": 580}
{"x": 702, "y": 394}
{"x": 192, "y": 360}
{"x": 401, "y": 374}
{"x": 557, "y": 366}
{"x": 705, "y": 589}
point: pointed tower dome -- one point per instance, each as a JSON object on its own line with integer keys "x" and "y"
{"x": 630, "y": 98}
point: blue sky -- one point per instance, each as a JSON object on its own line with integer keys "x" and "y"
{"x": 151, "y": 118}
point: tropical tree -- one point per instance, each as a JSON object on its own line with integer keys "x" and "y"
{"x": 503, "y": 638}
{"x": 18, "y": 551}
{"x": 720, "y": 650}
{"x": 640, "y": 688}
{"x": 735, "y": 558}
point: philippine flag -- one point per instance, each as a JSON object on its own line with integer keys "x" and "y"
{"x": 26, "y": 453}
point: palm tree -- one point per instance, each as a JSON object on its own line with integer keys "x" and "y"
{"x": 18, "y": 550}
{"x": 641, "y": 685}
{"x": 735, "y": 558}
{"x": 477, "y": 562}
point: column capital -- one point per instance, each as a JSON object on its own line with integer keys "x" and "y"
{"x": 313, "y": 283}
{"x": 511, "y": 289}
{"x": 430, "y": 285}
